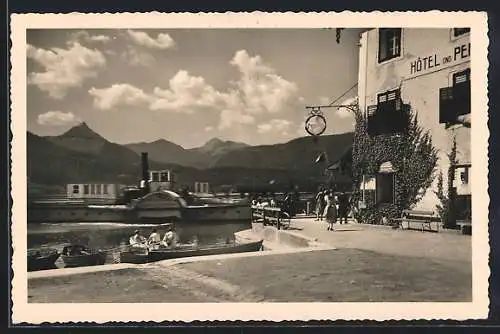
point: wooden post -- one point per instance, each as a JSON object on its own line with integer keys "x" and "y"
{"x": 279, "y": 219}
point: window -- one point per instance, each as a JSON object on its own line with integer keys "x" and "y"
{"x": 155, "y": 176}
{"x": 76, "y": 188}
{"x": 105, "y": 189}
{"x": 464, "y": 176}
{"x": 385, "y": 188}
{"x": 164, "y": 177}
{"x": 368, "y": 186}
{"x": 98, "y": 189}
{"x": 86, "y": 189}
{"x": 92, "y": 189}
{"x": 389, "y": 44}
{"x": 455, "y": 101}
{"x": 460, "y": 31}
{"x": 463, "y": 207}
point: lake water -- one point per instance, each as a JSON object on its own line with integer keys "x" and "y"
{"x": 112, "y": 235}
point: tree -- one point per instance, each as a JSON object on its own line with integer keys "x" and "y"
{"x": 446, "y": 207}
{"x": 411, "y": 154}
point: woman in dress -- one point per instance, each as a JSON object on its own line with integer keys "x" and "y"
{"x": 331, "y": 212}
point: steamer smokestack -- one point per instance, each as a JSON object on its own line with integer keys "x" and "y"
{"x": 145, "y": 171}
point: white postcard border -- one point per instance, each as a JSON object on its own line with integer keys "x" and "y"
{"x": 38, "y": 313}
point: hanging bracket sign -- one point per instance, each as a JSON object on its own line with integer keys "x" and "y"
{"x": 316, "y": 122}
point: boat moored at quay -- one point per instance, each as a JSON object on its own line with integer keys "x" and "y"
{"x": 138, "y": 205}
{"x": 158, "y": 207}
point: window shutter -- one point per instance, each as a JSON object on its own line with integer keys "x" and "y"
{"x": 445, "y": 104}
{"x": 372, "y": 120}
{"x": 382, "y": 98}
{"x": 391, "y": 95}
{"x": 461, "y": 78}
{"x": 371, "y": 110}
{"x": 461, "y": 93}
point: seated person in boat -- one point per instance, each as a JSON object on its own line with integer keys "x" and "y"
{"x": 138, "y": 241}
{"x": 194, "y": 242}
{"x": 154, "y": 240}
{"x": 170, "y": 238}
{"x": 75, "y": 250}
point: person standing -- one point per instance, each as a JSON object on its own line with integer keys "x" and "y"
{"x": 331, "y": 211}
{"x": 319, "y": 205}
{"x": 343, "y": 208}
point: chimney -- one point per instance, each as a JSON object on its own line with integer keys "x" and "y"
{"x": 145, "y": 170}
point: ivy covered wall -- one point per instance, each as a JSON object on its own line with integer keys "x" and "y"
{"x": 412, "y": 156}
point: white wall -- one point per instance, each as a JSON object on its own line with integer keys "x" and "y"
{"x": 419, "y": 88}
{"x": 95, "y": 190}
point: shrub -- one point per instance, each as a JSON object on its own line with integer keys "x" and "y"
{"x": 412, "y": 155}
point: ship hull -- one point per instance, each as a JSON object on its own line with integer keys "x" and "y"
{"x": 80, "y": 213}
{"x": 219, "y": 213}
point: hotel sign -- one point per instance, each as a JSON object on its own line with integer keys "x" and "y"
{"x": 433, "y": 62}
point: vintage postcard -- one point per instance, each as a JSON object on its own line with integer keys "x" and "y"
{"x": 249, "y": 166}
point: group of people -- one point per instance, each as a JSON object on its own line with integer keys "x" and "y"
{"x": 332, "y": 207}
{"x": 288, "y": 202}
{"x": 154, "y": 241}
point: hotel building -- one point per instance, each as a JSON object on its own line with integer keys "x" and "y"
{"x": 429, "y": 70}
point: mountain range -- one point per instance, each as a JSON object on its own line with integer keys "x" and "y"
{"x": 82, "y": 155}
{"x": 202, "y": 157}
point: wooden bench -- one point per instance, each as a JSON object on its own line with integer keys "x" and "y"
{"x": 270, "y": 216}
{"x": 423, "y": 219}
{"x": 465, "y": 226}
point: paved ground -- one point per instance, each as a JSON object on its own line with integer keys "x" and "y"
{"x": 447, "y": 245}
{"x": 372, "y": 263}
{"x": 344, "y": 275}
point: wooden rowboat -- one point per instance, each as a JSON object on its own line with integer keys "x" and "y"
{"x": 42, "y": 260}
{"x": 189, "y": 251}
{"x": 84, "y": 257}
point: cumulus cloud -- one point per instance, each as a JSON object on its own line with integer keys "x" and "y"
{"x": 84, "y": 36}
{"x": 259, "y": 90}
{"x": 281, "y": 126}
{"x": 118, "y": 95}
{"x": 161, "y": 42}
{"x": 57, "y": 118}
{"x": 185, "y": 94}
{"x": 344, "y": 112}
{"x": 137, "y": 57}
{"x": 63, "y": 68}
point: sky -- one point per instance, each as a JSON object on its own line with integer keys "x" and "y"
{"x": 189, "y": 85}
